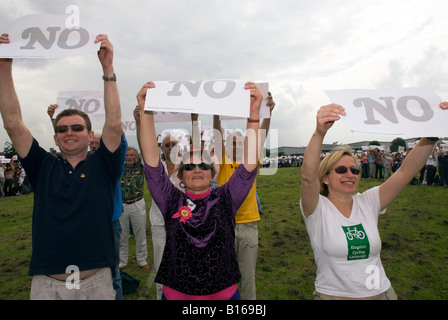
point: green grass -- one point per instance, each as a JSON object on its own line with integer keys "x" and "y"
{"x": 413, "y": 232}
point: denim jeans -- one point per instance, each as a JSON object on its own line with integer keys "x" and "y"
{"x": 117, "y": 278}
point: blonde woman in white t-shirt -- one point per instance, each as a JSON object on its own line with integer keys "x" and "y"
{"x": 343, "y": 224}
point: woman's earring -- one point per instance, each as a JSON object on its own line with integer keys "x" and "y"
{"x": 182, "y": 185}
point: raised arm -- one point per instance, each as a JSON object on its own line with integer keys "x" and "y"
{"x": 266, "y": 123}
{"x": 411, "y": 165}
{"x": 112, "y": 129}
{"x": 326, "y": 116}
{"x": 50, "y": 111}
{"x": 252, "y": 150}
{"x": 21, "y": 137}
{"x": 196, "y": 141}
{"x": 147, "y": 131}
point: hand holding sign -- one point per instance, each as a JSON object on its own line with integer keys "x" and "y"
{"x": 4, "y": 39}
{"x": 106, "y": 52}
{"x": 255, "y": 100}
{"x": 326, "y": 116}
{"x": 407, "y": 112}
{"x": 267, "y": 104}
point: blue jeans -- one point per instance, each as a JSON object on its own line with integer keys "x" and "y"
{"x": 117, "y": 278}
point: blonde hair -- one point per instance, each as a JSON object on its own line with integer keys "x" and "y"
{"x": 329, "y": 162}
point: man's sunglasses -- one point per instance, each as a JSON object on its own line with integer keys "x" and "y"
{"x": 73, "y": 127}
{"x": 192, "y": 166}
{"x": 344, "y": 169}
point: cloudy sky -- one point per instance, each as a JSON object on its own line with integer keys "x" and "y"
{"x": 301, "y": 47}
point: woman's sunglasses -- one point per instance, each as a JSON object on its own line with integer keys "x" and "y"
{"x": 170, "y": 144}
{"x": 344, "y": 169}
{"x": 73, "y": 127}
{"x": 192, "y": 166}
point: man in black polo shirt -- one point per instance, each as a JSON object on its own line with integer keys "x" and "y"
{"x": 73, "y": 194}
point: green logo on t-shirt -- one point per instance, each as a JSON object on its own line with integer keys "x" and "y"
{"x": 358, "y": 243}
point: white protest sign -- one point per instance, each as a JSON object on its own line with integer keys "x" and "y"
{"x": 265, "y": 111}
{"x": 91, "y": 102}
{"x": 220, "y": 97}
{"x": 406, "y": 112}
{"x": 129, "y": 126}
{"x": 3, "y": 159}
{"x": 50, "y": 36}
{"x": 161, "y": 116}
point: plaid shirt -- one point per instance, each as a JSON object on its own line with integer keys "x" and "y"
{"x": 132, "y": 182}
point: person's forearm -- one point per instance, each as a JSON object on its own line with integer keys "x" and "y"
{"x": 112, "y": 104}
{"x": 196, "y": 134}
{"x": 112, "y": 126}
{"x": 311, "y": 158}
{"x": 148, "y": 139}
{"x": 417, "y": 158}
{"x": 251, "y": 143}
{"x": 9, "y": 103}
{"x": 10, "y": 111}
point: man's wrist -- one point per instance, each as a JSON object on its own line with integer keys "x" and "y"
{"x": 108, "y": 71}
{"x": 113, "y": 78}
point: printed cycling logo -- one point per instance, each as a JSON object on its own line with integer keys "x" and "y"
{"x": 357, "y": 241}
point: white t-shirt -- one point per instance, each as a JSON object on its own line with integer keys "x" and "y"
{"x": 347, "y": 250}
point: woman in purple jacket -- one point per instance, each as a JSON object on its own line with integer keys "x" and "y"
{"x": 199, "y": 260}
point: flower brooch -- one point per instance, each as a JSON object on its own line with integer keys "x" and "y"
{"x": 184, "y": 213}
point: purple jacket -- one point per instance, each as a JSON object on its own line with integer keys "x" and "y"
{"x": 199, "y": 256}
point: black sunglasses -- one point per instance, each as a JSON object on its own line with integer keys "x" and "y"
{"x": 73, "y": 127}
{"x": 192, "y": 166}
{"x": 344, "y": 169}
{"x": 172, "y": 144}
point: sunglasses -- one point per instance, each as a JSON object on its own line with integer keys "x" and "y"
{"x": 344, "y": 169}
{"x": 172, "y": 144}
{"x": 192, "y": 166}
{"x": 73, "y": 127}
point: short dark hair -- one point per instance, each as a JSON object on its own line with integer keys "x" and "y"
{"x": 74, "y": 112}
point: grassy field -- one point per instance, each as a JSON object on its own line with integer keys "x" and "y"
{"x": 413, "y": 231}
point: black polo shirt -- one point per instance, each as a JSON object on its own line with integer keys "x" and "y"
{"x": 73, "y": 207}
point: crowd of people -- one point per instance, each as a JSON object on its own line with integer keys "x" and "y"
{"x": 205, "y": 210}
{"x": 13, "y": 180}
{"x": 381, "y": 164}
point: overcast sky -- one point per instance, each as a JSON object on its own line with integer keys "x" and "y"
{"x": 301, "y": 47}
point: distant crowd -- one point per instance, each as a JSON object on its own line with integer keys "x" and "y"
{"x": 13, "y": 180}
{"x": 375, "y": 164}
{"x": 379, "y": 164}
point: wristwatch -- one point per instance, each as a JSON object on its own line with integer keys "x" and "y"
{"x": 114, "y": 78}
